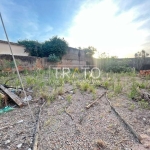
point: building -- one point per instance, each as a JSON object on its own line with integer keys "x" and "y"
{"x": 16, "y": 48}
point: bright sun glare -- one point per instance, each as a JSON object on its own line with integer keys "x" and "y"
{"x": 97, "y": 24}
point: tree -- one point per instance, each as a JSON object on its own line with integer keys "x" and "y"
{"x": 90, "y": 51}
{"x": 140, "y": 58}
{"x": 34, "y": 48}
{"x": 142, "y": 54}
{"x": 55, "y": 46}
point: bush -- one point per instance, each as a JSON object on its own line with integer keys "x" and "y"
{"x": 55, "y": 46}
{"x": 118, "y": 68}
{"x": 34, "y": 48}
{"x": 53, "y": 58}
{"x": 113, "y": 65}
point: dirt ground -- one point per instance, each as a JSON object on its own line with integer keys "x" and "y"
{"x": 69, "y": 125}
{"x": 66, "y": 124}
{"x": 17, "y": 127}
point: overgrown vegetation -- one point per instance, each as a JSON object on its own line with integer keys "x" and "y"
{"x": 113, "y": 64}
{"x": 140, "y": 59}
{"x": 90, "y": 51}
{"x": 45, "y": 84}
{"x": 53, "y": 58}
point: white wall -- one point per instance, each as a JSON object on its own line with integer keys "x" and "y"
{"x": 17, "y": 49}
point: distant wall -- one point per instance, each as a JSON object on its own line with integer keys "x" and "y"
{"x": 74, "y": 54}
{"x": 73, "y": 58}
{"x": 16, "y": 48}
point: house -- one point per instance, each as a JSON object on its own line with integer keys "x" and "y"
{"x": 16, "y": 48}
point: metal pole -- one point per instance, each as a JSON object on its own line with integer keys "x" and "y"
{"x": 15, "y": 64}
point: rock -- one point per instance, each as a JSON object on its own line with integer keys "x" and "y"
{"x": 7, "y": 142}
{"x": 30, "y": 90}
{"x": 71, "y": 92}
{"x": 19, "y": 145}
{"x": 145, "y": 140}
{"x": 148, "y": 131}
{"x": 143, "y": 136}
{"x": 144, "y": 119}
{"x": 138, "y": 147}
{"x": 29, "y": 149}
{"x": 28, "y": 98}
{"x": 100, "y": 143}
{"x": 60, "y": 97}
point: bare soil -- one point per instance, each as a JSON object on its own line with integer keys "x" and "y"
{"x": 66, "y": 124}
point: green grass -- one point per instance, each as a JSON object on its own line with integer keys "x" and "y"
{"x": 68, "y": 98}
{"x": 144, "y": 104}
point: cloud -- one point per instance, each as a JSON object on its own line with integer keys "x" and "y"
{"x": 22, "y": 22}
{"x": 97, "y": 24}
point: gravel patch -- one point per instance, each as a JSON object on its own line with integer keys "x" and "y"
{"x": 137, "y": 117}
{"x": 59, "y": 131}
{"x": 20, "y": 131}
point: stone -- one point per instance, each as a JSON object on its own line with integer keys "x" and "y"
{"x": 138, "y": 147}
{"x": 100, "y": 143}
{"x": 148, "y": 131}
{"x": 71, "y": 92}
{"x": 60, "y": 97}
{"x": 145, "y": 140}
{"x": 7, "y": 142}
{"x": 19, "y": 145}
{"x": 144, "y": 119}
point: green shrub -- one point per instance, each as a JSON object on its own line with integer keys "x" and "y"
{"x": 144, "y": 104}
{"x": 114, "y": 65}
{"x": 134, "y": 92}
{"x": 53, "y": 58}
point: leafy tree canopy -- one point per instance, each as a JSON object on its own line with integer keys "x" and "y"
{"x": 34, "y": 48}
{"x": 90, "y": 51}
{"x": 142, "y": 54}
{"x": 55, "y": 46}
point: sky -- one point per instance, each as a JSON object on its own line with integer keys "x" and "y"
{"x": 117, "y": 27}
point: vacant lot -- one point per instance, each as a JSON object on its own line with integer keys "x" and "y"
{"x": 67, "y": 120}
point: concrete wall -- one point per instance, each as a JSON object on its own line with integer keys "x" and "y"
{"x": 70, "y": 60}
{"x": 74, "y": 54}
{"x": 73, "y": 58}
{"x": 16, "y": 48}
{"x": 33, "y": 63}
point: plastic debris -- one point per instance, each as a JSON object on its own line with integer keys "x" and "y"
{"x": 20, "y": 121}
{"x": 28, "y": 98}
{"x": 6, "y": 109}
